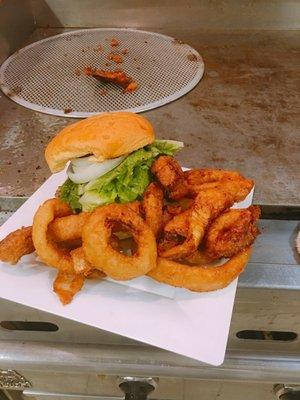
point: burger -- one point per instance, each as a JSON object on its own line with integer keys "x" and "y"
{"x": 109, "y": 157}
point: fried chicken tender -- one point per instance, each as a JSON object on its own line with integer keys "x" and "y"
{"x": 208, "y": 205}
{"x": 117, "y": 77}
{"x": 231, "y": 232}
{"x": 170, "y": 175}
{"x": 200, "y": 179}
{"x": 153, "y": 207}
{"x": 67, "y": 284}
{"x": 16, "y": 245}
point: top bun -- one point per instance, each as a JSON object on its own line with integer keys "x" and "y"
{"x": 105, "y": 136}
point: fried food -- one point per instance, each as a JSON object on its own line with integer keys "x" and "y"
{"x": 200, "y": 179}
{"x": 200, "y": 278}
{"x": 47, "y": 249}
{"x": 170, "y": 175}
{"x": 99, "y": 252}
{"x": 69, "y": 228}
{"x": 117, "y": 77}
{"x": 67, "y": 284}
{"x": 16, "y": 245}
{"x": 208, "y": 205}
{"x": 153, "y": 207}
{"x": 231, "y": 232}
{"x": 80, "y": 264}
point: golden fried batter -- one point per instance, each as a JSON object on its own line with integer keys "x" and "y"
{"x": 118, "y": 77}
{"x": 231, "y": 232}
{"x": 153, "y": 207}
{"x": 16, "y": 245}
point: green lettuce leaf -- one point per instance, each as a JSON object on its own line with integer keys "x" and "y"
{"x": 123, "y": 184}
{"x": 69, "y": 193}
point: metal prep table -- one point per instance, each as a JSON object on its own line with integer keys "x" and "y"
{"x": 241, "y": 116}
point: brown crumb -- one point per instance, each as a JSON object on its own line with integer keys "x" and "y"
{"x": 177, "y": 41}
{"x": 77, "y": 72}
{"x": 145, "y": 41}
{"x": 131, "y": 87}
{"x": 19, "y": 171}
{"x": 124, "y": 52}
{"x": 107, "y": 64}
{"x": 114, "y": 42}
{"x": 116, "y": 58}
{"x": 99, "y": 48}
{"x": 38, "y": 167}
{"x": 192, "y": 57}
{"x": 67, "y": 110}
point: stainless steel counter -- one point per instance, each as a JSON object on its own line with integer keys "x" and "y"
{"x": 242, "y": 116}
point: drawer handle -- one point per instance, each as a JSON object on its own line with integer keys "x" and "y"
{"x": 36, "y": 326}
{"x": 267, "y": 335}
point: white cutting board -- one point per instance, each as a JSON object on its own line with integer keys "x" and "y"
{"x": 195, "y": 325}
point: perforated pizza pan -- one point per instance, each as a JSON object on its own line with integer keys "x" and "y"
{"x": 47, "y": 76}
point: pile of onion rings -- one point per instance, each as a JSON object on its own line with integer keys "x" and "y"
{"x": 179, "y": 233}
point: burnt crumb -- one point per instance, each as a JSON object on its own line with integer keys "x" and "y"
{"x": 116, "y": 58}
{"x": 67, "y": 110}
{"x": 22, "y": 154}
{"x": 98, "y": 48}
{"x": 145, "y": 41}
{"x": 192, "y": 57}
{"x": 19, "y": 171}
{"x": 38, "y": 167}
{"x": 9, "y": 163}
{"x": 114, "y": 42}
{"x": 14, "y": 91}
{"x": 134, "y": 59}
{"x": 41, "y": 141}
{"x": 83, "y": 51}
{"x": 177, "y": 41}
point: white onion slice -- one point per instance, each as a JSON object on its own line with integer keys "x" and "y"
{"x": 82, "y": 170}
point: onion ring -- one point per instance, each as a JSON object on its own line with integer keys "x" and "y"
{"x": 153, "y": 207}
{"x": 49, "y": 251}
{"x": 16, "y": 245}
{"x": 200, "y": 278}
{"x": 99, "y": 252}
{"x": 69, "y": 228}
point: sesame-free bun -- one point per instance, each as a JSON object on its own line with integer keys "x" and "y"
{"x": 105, "y": 136}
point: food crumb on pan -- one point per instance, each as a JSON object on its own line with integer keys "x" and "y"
{"x": 77, "y": 72}
{"x": 131, "y": 87}
{"x": 192, "y": 57}
{"x": 124, "y": 52}
{"x": 116, "y": 58}
{"x": 114, "y": 42}
{"x": 67, "y": 110}
{"x": 103, "y": 92}
{"x": 99, "y": 48}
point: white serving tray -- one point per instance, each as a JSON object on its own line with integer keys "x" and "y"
{"x": 195, "y": 325}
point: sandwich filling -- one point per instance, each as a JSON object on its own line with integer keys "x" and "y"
{"x": 120, "y": 180}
